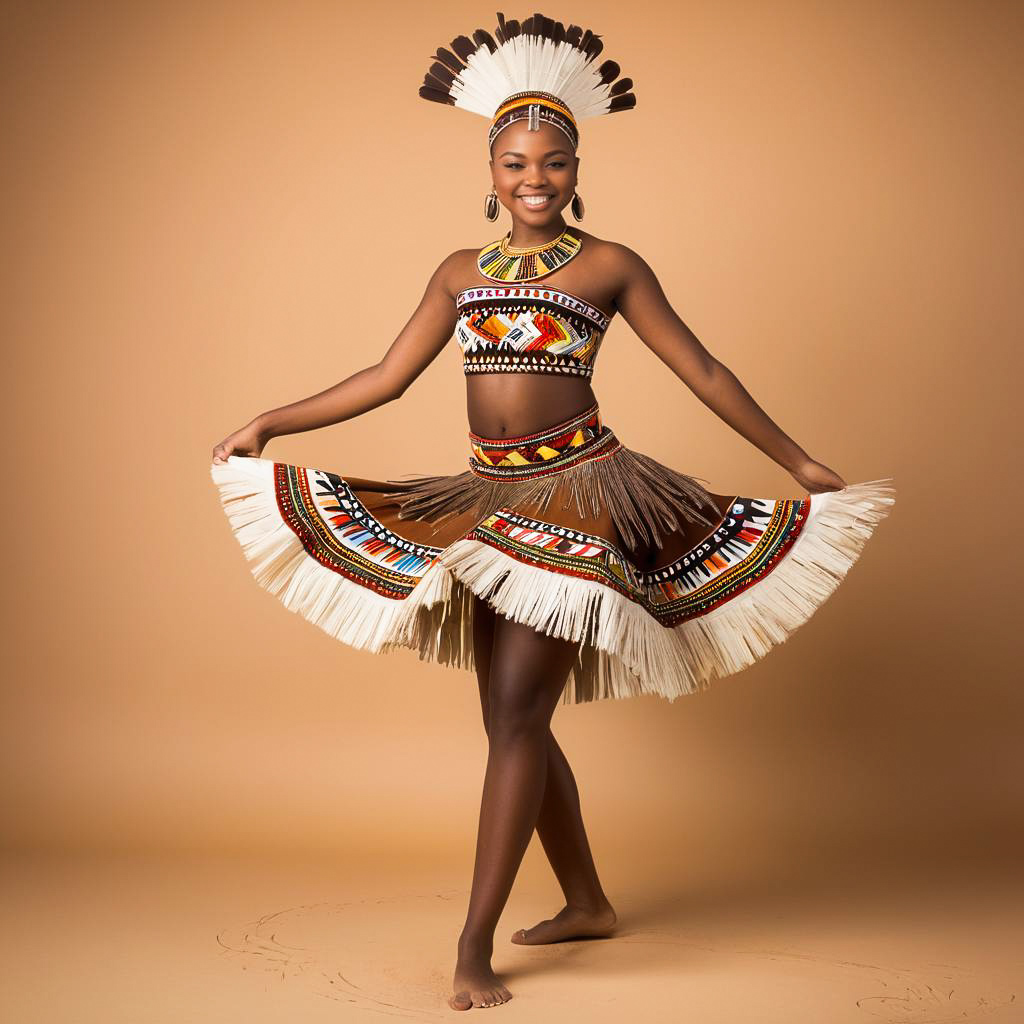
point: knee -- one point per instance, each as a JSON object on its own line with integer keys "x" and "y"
{"x": 516, "y": 712}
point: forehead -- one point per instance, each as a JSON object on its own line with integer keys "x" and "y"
{"x": 518, "y": 138}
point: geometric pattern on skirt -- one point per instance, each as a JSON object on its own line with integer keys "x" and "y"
{"x": 713, "y": 596}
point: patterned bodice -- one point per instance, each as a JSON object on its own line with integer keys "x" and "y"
{"x": 528, "y": 329}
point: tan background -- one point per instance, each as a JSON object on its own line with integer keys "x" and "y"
{"x": 214, "y": 209}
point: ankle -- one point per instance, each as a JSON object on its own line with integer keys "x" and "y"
{"x": 594, "y": 905}
{"x": 475, "y": 948}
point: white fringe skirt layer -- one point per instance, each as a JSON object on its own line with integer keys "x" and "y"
{"x": 339, "y": 553}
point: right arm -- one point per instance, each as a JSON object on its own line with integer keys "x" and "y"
{"x": 424, "y": 336}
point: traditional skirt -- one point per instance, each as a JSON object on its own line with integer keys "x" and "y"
{"x": 663, "y": 584}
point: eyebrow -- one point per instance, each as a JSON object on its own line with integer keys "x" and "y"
{"x": 509, "y": 152}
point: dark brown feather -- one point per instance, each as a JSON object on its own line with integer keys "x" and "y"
{"x": 449, "y": 60}
{"x": 436, "y": 95}
{"x": 464, "y": 46}
{"x": 448, "y": 64}
{"x": 436, "y": 83}
{"x": 484, "y": 38}
{"x": 441, "y": 73}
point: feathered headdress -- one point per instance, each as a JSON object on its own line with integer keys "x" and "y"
{"x": 538, "y": 70}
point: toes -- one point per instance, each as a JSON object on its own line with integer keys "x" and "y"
{"x": 461, "y": 1001}
{"x": 491, "y": 997}
{"x": 467, "y": 998}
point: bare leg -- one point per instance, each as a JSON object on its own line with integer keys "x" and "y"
{"x": 526, "y": 675}
{"x": 587, "y": 911}
{"x": 560, "y": 828}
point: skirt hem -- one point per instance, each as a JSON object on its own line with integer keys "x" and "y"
{"x": 624, "y": 650}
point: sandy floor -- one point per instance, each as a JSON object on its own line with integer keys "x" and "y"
{"x": 176, "y": 940}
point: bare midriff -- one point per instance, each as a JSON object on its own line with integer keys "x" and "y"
{"x": 503, "y": 405}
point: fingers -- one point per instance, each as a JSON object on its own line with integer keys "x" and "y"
{"x": 220, "y": 454}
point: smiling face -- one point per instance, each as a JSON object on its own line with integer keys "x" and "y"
{"x": 534, "y": 173}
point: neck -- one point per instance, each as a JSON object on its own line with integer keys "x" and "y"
{"x": 525, "y": 235}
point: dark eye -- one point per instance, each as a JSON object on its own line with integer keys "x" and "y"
{"x": 514, "y": 164}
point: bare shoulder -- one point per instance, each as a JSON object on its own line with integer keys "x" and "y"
{"x": 613, "y": 260}
{"x": 454, "y": 269}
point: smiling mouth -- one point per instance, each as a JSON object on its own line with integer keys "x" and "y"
{"x": 536, "y": 202}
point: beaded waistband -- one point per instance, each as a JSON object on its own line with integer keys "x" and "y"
{"x": 556, "y": 448}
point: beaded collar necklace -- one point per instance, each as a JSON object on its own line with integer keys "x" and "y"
{"x": 500, "y": 261}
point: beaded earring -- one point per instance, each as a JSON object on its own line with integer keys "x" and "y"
{"x": 491, "y": 205}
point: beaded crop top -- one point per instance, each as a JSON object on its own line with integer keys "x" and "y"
{"x": 527, "y": 328}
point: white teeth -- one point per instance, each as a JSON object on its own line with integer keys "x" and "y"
{"x": 535, "y": 200}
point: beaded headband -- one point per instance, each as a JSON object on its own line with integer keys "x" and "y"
{"x": 534, "y": 107}
{"x": 537, "y": 70}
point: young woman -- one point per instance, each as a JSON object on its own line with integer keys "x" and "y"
{"x": 562, "y": 565}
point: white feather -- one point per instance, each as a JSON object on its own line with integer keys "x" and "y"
{"x": 535, "y": 64}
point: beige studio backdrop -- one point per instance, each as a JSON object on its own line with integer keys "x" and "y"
{"x": 214, "y": 209}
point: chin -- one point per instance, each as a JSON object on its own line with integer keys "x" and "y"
{"x": 544, "y": 216}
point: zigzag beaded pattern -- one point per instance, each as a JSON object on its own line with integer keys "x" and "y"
{"x": 340, "y": 533}
{"x": 534, "y": 455}
{"x": 748, "y": 544}
{"x": 528, "y": 329}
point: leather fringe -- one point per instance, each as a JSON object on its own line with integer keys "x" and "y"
{"x": 644, "y": 498}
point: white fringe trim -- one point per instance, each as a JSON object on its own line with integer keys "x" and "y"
{"x": 638, "y": 655}
{"x": 430, "y": 620}
{"x": 626, "y": 651}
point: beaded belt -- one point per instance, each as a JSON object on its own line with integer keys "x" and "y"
{"x": 552, "y": 450}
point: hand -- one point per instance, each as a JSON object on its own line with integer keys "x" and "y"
{"x": 249, "y": 441}
{"x": 815, "y": 477}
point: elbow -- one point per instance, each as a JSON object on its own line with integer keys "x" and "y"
{"x": 705, "y": 376}
{"x": 390, "y": 386}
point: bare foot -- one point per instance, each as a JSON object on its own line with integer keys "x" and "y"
{"x": 477, "y": 985}
{"x": 568, "y": 923}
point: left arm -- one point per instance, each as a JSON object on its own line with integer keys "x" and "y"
{"x": 645, "y": 308}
